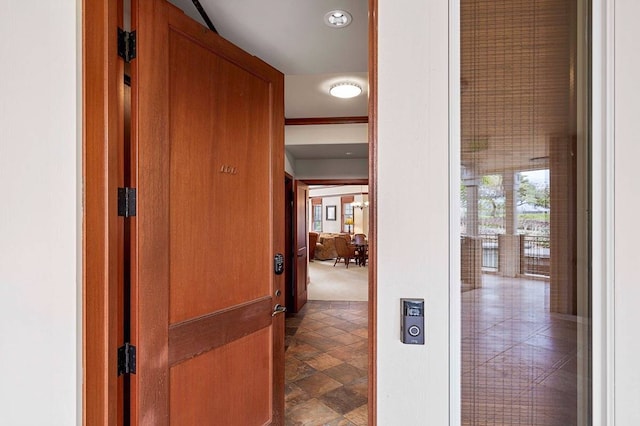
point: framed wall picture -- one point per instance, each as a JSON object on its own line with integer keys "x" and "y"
{"x": 331, "y": 212}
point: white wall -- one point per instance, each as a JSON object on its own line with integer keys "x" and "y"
{"x": 331, "y": 225}
{"x": 325, "y": 191}
{"x": 288, "y": 165}
{"x": 627, "y": 205}
{"x": 326, "y": 134}
{"x": 413, "y": 159}
{"x": 39, "y": 218}
{"x": 334, "y": 134}
{"x": 356, "y": 168}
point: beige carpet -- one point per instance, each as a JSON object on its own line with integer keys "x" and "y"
{"x": 339, "y": 283}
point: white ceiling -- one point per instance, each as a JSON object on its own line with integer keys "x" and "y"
{"x": 291, "y": 36}
{"x": 307, "y": 96}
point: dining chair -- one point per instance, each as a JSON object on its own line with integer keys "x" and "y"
{"x": 344, "y": 250}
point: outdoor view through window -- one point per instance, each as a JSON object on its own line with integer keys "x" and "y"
{"x": 526, "y": 347}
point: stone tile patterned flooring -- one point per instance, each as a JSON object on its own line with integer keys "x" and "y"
{"x": 326, "y": 364}
{"x": 519, "y": 361}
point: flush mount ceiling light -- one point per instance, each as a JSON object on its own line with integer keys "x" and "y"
{"x": 337, "y": 18}
{"x": 345, "y": 90}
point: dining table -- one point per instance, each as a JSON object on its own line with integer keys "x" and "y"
{"x": 362, "y": 248}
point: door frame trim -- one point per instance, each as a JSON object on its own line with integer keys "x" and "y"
{"x": 455, "y": 297}
{"x": 602, "y": 205}
{"x": 102, "y": 137}
{"x": 373, "y": 214}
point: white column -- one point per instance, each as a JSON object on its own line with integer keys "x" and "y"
{"x": 471, "y": 247}
{"x": 509, "y": 243}
{"x": 471, "y": 184}
{"x": 510, "y": 186}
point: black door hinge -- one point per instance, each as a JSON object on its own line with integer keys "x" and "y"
{"x": 126, "y": 359}
{"x": 126, "y": 202}
{"x": 126, "y": 45}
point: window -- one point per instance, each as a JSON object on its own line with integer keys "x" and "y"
{"x": 347, "y": 214}
{"x": 525, "y": 271}
{"x": 316, "y": 214}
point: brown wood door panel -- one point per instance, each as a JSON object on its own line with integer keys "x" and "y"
{"x": 208, "y": 160}
{"x": 301, "y": 242}
{"x": 194, "y": 337}
{"x": 222, "y": 178}
{"x": 238, "y": 372}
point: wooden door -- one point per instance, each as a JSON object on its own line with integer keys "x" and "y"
{"x": 289, "y": 242}
{"x": 208, "y": 132}
{"x": 301, "y": 242}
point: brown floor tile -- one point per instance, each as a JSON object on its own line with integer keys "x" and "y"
{"x": 362, "y": 321}
{"x": 323, "y": 343}
{"x": 310, "y": 324}
{"x": 320, "y": 337}
{"x": 360, "y": 386}
{"x": 323, "y": 361}
{"x": 360, "y": 361}
{"x": 343, "y": 400}
{"x": 318, "y": 384}
{"x": 295, "y": 370}
{"x": 334, "y": 321}
{"x": 329, "y": 331}
{"x": 347, "y": 338}
{"x": 362, "y": 332}
{"x": 302, "y": 351}
{"x": 294, "y": 395}
{"x": 345, "y": 373}
{"x": 292, "y": 320}
{"x": 359, "y": 416}
{"x": 362, "y": 346}
{"x": 339, "y": 422}
{"x": 318, "y": 315}
{"x": 311, "y": 413}
{"x": 345, "y": 353}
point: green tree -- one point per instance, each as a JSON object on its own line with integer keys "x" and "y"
{"x": 526, "y": 191}
{"x": 535, "y": 195}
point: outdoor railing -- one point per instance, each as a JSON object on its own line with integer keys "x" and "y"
{"x": 534, "y": 255}
{"x": 490, "y": 252}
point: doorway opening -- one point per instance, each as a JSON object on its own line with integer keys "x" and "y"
{"x": 326, "y": 340}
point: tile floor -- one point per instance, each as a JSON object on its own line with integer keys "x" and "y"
{"x": 326, "y": 364}
{"x": 519, "y": 361}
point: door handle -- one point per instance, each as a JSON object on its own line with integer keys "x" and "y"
{"x": 278, "y": 309}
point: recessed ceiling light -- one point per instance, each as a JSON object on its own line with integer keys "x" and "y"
{"x": 347, "y": 153}
{"x": 337, "y": 18}
{"x": 345, "y": 90}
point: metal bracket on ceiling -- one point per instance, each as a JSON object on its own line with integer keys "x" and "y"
{"x": 204, "y": 15}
